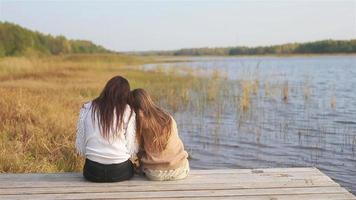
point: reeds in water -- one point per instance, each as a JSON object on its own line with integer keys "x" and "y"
{"x": 285, "y": 91}
{"x": 333, "y": 102}
{"x": 245, "y": 99}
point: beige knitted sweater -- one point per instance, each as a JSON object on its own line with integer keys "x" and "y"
{"x": 172, "y": 157}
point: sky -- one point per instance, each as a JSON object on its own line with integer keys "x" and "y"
{"x": 167, "y": 25}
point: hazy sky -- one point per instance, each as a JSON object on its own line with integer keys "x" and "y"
{"x": 147, "y": 25}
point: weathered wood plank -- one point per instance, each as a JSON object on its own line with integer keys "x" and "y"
{"x": 152, "y": 188}
{"x": 192, "y": 180}
{"x": 195, "y": 176}
{"x": 272, "y": 197}
{"x": 204, "y": 177}
{"x": 188, "y": 194}
{"x": 257, "y": 170}
{"x": 193, "y": 172}
{"x": 89, "y": 187}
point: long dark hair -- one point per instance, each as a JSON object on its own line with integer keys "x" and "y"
{"x": 153, "y": 125}
{"x": 111, "y": 103}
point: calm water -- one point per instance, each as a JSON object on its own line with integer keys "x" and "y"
{"x": 316, "y": 126}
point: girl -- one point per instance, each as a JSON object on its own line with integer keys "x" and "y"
{"x": 106, "y": 134}
{"x": 163, "y": 156}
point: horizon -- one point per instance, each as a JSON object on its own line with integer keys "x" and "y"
{"x": 317, "y": 20}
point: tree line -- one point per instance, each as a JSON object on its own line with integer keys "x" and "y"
{"x": 17, "y": 41}
{"x": 317, "y": 47}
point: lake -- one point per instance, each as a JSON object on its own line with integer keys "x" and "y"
{"x": 303, "y": 113}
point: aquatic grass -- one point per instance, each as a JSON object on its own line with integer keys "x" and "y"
{"x": 333, "y": 102}
{"x": 267, "y": 89}
{"x": 306, "y": 89}
{"x": 245, "y": 99}
{"x": 285, "y": 91}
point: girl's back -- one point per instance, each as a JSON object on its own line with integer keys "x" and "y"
{"x": 107, "y": 151}
{"x": 172, "y": 157}
{"x": 163, "y": 156}
{"x": 106, "y": 134}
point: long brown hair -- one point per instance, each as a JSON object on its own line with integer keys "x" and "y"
{"x": 153, "y": 125}
{"x": 110, "y": 104}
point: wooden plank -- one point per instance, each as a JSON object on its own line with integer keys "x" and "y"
{"x": 192, "y": 180}
{"x": 153, "y": 188}
{"x": 257, "y": 170}
{"x": 272, "y": 197}
{"x": 196, "y": 178}
{"x": 78, "y": 175}
{"x": 164, "y": 185}
{"x": 202, "y": 177}
{"x": 178, "y": 186}
{"x": 193, "y": 172}
{"x": 268, "y": 197}
{"x": 187, "y": 194}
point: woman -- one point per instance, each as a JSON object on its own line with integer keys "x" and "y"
{"x": 106, "y": 134}
{"x": 162, "y": 155}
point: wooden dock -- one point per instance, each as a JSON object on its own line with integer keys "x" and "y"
{"x": 266, "y": 184}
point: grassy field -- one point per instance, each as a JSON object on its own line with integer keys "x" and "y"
{"x": 40, "y": 99}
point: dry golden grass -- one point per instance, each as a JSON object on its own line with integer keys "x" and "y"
{"x": 40, "y": 99}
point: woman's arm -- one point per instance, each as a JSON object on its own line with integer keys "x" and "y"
{"x": 130, "y": 136}
{"x": 80, "y": 140}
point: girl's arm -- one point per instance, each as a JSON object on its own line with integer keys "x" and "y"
{"x": 131, "y": 142}
{"x": 80, "y": 140}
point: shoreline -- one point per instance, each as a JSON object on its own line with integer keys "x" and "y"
{"x": 172, "y": 59}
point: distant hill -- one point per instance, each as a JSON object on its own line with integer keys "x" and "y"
{"x": 16, "y": 41}
{"x": 317, "y": 47}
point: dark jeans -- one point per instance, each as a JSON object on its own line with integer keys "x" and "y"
{"x": 97, "y": 172}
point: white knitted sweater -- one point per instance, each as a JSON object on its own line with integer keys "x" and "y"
{"x": 92, "y": 145}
